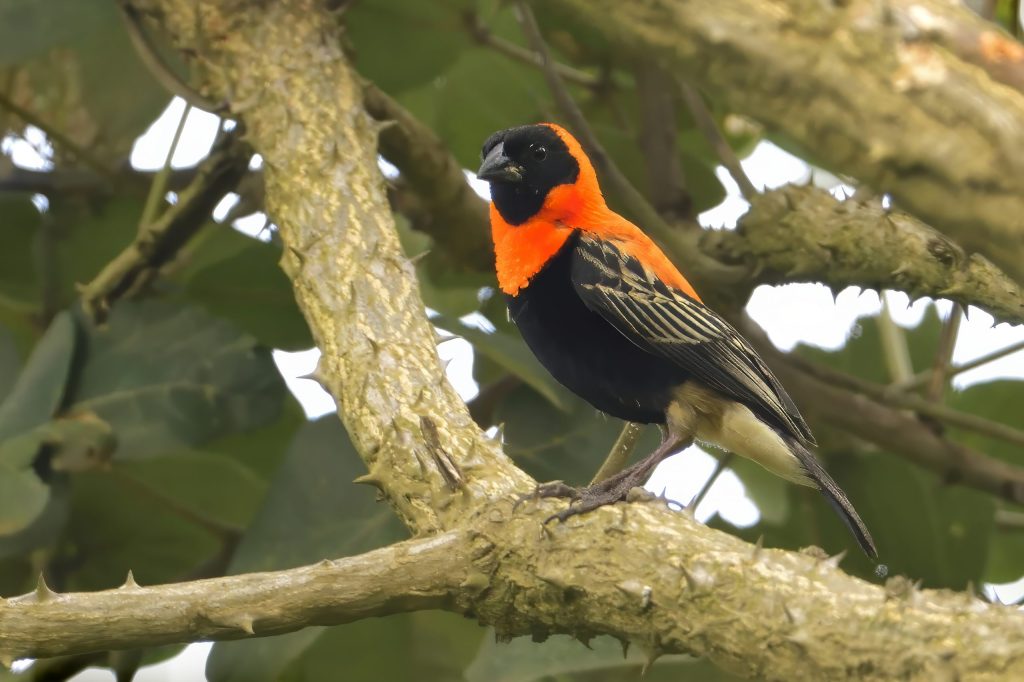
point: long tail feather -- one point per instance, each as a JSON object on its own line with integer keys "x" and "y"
{"x": 835, "y": 495}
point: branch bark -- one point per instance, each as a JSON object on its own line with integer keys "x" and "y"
{"x": 680, "y": 587}
{"x": 849, "y": 80}
{"x": 803, "y": 233}
{"x": 408, "y": 576}
{"x": 353, "y": 283}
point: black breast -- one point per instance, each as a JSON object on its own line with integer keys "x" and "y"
{"x": 585, "y": 353}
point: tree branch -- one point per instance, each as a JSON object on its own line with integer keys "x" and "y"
{"x": 157, "y": 243}
{"x": 356, "y": 288}
{"x": 890, "y": 429}
{"x": 457, "y": 216}
{"x": 408, "y": 576}
{"x": 804, "y": 234}
{"x": 679, "y": 587}
{"x": 849, "y": 80}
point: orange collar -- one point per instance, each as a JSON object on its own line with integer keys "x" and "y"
{"x": 522, "y": 250}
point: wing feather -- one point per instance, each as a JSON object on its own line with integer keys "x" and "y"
{"x": 666, "y": 322}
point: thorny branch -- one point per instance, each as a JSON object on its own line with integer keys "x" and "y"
{"x": 816, "y": 72}
{"x": 158, "y": 242}
{"x": 801, "y": 616}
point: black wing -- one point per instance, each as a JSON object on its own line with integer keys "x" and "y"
{"x": 666, "y": 322}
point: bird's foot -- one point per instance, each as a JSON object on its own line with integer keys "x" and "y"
{"x": 557, "y": 489}
{"x": 583, "y": 500}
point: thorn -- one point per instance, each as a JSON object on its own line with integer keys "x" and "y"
{"x": 414, "y": 260}
{"x": 625, "y": 647}
{"x": 243, "y": 622}
{"x": 691, "y": 582}
{"x": 325, "y": 563}
{"x": 794, "y": 617}
{"x": 755, "y": 554}
{"x": 653, "y": 655}
{"x": 833, "y": 561}
{"x": 554, "y": 580}
{"x": 6, "y": 660}
{"x": 129, "y": 582}
{"x": 43, "y": 591}
{"x": 798, "y": 637}
{"x": 369, "y": 479}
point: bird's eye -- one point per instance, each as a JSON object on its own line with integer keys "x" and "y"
{"x": 540, "y": 153}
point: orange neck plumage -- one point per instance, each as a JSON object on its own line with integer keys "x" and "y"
{"x": 522, "y": 250}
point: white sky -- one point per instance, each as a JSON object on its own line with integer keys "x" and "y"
{"x": 791, "y": 314}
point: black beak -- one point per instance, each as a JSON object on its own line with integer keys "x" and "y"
{"x": 499, "y": 168}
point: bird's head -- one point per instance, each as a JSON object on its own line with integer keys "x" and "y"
{"x": 537, "y": 170}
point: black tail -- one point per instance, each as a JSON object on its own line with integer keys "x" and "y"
{"x": 835, "y": 496}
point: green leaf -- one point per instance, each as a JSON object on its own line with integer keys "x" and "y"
{"x": 23, "y": 496}
{"x": 89, "y": 235}
{"x": 925, "y": 530}
{"x": 481, "y": 93}
{"x": 197, "y": 481}
{"x": 552, "y": 445}
{"x": 118, "y": 525}
{"x": 248, "y": 287}
{"x": 44, "y": 530}
{"x": 10, "y": 362}
{"x": 562, "y": 657}
{"x": 433, "y": 31}
{"x": 435, "y": 646}
{"x": 1005, "y": 562}
{"x": 66, "y": 51}
{"x": 311, "y": 512}
{"x": 511, "y": 352}
{"x": 168, "y": 376}
{"x": 21, "y": 221}
{"x": 999, "y": 401}
{"x": 39, "y": 389}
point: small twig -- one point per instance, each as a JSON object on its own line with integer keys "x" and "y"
{"x": 59, "y": 138}
{"x": 721, "y": 463}
{"x": 226, "y": 532}
{"x": 1009, "y": 520}
{"x": 666, "y": 181}
{"x": 709, "y": 129}
{"x": 922, "y": 378}
{"x": 158, "y": 243}
{"x": 944, "y": 355}
{"x": 152, "y": 60}
{"x": 159, "y": 186}
{"x": 636, "y": 202}
{"x": 483, "y": 35}
{"x": 620, "y": 452}
{"x": 894, "y": 345}
{"x": 905, "y": 401}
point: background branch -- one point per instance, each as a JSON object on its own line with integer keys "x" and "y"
{"x": 848, "y": 81}
{"x": 158, "y": 242}
{"x": 798, "y": 233}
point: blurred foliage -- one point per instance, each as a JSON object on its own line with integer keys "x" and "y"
{"x": 164, "y": 441}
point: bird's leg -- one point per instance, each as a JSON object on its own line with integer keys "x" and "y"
{"x": 612, "y": 489}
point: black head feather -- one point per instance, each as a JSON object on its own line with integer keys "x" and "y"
{"x": 531, "y": 162}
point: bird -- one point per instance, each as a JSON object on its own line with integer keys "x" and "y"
{"x": 611, "y": 318}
